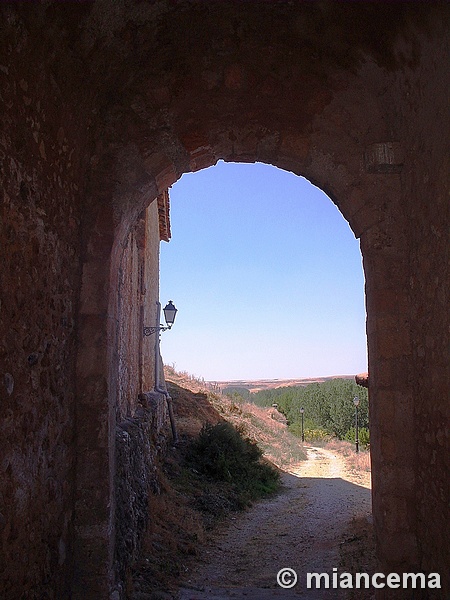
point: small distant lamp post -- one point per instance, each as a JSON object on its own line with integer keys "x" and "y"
{"x": 356, "y": 403}
{"x": 302, "y": 412}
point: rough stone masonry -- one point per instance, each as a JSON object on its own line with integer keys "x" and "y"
{"x": 104, "y": 105}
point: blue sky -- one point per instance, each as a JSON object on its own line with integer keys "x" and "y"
{"x": 267, "y": 277}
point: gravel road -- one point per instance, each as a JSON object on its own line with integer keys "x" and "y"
{"x": 301, "y": 528}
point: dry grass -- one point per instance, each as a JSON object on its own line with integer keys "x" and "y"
{"x": 357, "y": 461}
{"x": 174, "y": 533}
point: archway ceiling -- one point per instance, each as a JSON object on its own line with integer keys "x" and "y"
{"x": 176, "y": 85}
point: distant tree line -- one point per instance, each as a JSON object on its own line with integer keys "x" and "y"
{"x": 327, "y": 406}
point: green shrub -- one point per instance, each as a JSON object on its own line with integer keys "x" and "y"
{"x": 222, "y": 454}
{"x": 363, "y": 436}
{"x": 315, "y": 434}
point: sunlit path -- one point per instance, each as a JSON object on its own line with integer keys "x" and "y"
{"x": 302, "y": 529}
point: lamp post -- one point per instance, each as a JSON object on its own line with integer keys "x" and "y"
{"x": 302, "y": 411}
{"x": 356, "y": 403}
{"x": 170, "y": 313}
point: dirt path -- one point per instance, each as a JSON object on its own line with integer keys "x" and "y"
{"x": 301, "y": 528}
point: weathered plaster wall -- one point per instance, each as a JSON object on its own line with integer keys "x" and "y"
{"x": 129, "y": 298}
{"x": 151, "y": 278}
{"x": 137, "y": 295}
{"x": 42, "y": 175}
{"x": 120, "y": 283}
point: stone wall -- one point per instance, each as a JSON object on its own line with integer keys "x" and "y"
{"x": 46, "y": 146}
{"x": 104, "y": 105}
{"x": 42, "y": 175}
{"x": 141, "y": 440}
{"x": 426, "y": 195}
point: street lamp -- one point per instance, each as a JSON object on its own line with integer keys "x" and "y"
{"x": 302, "y": 411}
{"x": 356, "y": 403}
{"x": 169, "y": 314}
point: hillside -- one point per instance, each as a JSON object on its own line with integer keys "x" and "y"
{"x": 195, "y": 404}
{"x": 186, "y": 510}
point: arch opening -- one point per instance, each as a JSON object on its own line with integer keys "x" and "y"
{"x": 267, "y": 272}
{"x": 342, "y": 181}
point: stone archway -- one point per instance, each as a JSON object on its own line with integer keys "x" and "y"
{"x": 233, "y": 97}
{"x": 151, "y": 90}
{"x": 354, "y": 182}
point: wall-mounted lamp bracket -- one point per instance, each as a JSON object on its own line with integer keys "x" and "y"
{"x": 169, "y": 314}
{"x": 152, "y": 330}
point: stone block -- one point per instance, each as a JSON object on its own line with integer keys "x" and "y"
{"x": 384, "y": 158}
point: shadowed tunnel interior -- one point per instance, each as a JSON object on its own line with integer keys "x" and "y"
{"x": 104, "y": 106}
